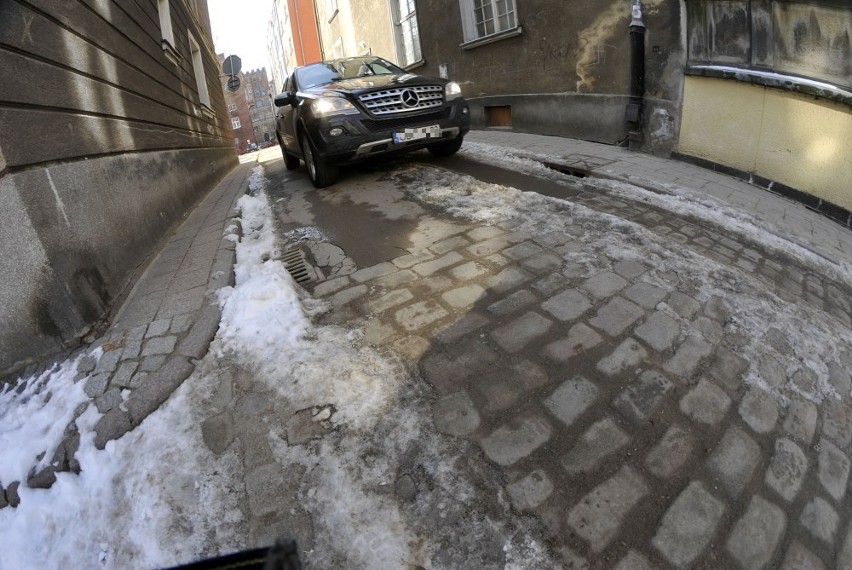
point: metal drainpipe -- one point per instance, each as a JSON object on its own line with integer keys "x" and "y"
{"x": 633, "y": 114}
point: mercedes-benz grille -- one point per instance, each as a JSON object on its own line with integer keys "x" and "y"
{"x": 403, "y": 99}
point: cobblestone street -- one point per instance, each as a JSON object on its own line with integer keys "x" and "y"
{"x": 641, "y": 402}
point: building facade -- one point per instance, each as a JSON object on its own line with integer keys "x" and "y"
{"x": 111, "y": 127}
{"x": 759, "y": 88}
{"x": 261, "y": 109}
{"x": 238, "y": 105}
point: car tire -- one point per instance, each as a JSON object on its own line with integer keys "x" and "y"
{"x": 320, "y": 172}
{"x": 448, "y": 148}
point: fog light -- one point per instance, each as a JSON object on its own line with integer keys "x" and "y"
{"x": 336, "y": 132}
{"x": 464, "y": 111}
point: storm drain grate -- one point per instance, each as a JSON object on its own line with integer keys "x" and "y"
{"x": 566, "y": 169}
{"x": 297, "y": 267}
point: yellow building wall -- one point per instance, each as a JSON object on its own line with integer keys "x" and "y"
{"x": 794, "y": 139}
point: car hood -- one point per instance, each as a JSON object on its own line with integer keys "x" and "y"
{"x": 370, "y": 82}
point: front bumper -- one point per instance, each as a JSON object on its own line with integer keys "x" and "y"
{"x": 364, "y": 137}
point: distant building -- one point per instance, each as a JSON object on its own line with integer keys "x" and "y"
{"x": 292, "y": 38}
{"x": 237, "y": 102}
{"x": 111, "y": 128}
{"x": 260, "y": 109}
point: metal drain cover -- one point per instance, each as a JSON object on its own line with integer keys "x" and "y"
{"x": 297, "y": 267}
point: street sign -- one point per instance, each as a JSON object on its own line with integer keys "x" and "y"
{"x": 232, "y": 65}
{"x": 233, "y": 83}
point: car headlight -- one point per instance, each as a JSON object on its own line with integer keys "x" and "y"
{"x": 452, "y": 90}
{"x": 333, "y": 106}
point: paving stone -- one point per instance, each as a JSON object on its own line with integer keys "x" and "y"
{"x": 571, "y": 560}
{"x": 603, "y": 438}
{"x": 466, "y": 271}
{"x": 378, "y": 270}
{"x": 734, "y": 460}
{"x": 137, "y": 333}
{"x": 530, "y": 491}
{"x": 688, "y": 356}
{"x": 489, "y": 247}
{"x": 497, "y": 260}
{"x": 429, "y": 267}
{"x": 396, "y": 280}
{"x": 449, "y": 244}
{"x": 152, "y": 363}
{"x": 96, "y": 385}
{"x": 108, "y": 361}
{"x": 833, "y": 469}
{"x": 522, "y": 250}
{"x": 688, "y": 525}
{"x": 158, "y": 328}
{"x": 580, "y": 339}
{"x": 218, "y": 433}
{"x": 639, "y": 400}
{"x": 800, "y": 422}
{"x": 787, "y": 469}
{"x": 837, "y": 422}
{"x": 634, "y": 561}
{"x": 158, "y": 387}
{"x": 567, "y": 305}
{"x": 759, "y": 410}
{"x": 706, "y": 403}
{"x": 628, "y": 354}
{"x": 772, "y": 371}
{"x": 599, "y": 515}
{"x": 820, "y": 519}
{"x": 552, "y": 239}
{"x": 629, "y": 269}
{"x": 411, "y": 347}
{"x": 604, "y": 284}
{"x": 645, "y": 295}
{"x": 123, "y": 375}
{"x": 670, "y": 453}
{"x": 507, "y": 279}
{"x": 548, "y": 285}
{"x": 456, "y": 414}
{"x": 514, "y": 302}
{"x": 388, "y": 301}
{"x": 412, "y": 259}
{"x": 709, "y": 329}
{"x": 87, "y": 364}
{"x": 839, "y": 377}
{"x": 181, "y": 323}
{"x": 468, "y": 323}
{"x": 683, "y": 305}
{"x": 800, "y": 558}
{"x": 512, "y": 442}
{"x": 518, "y": 236}
{"x": 199, "y": 337}
{"x": 515, "y": 335}
{"x": 419, "y": 315}
{"x": 573, "y": 271}
{"x": 571, "y": 399}
{"x": 331, "y": 286}
{"x": 659, "y": 331}
{"x": 112, "y": 425}
{"x": 616, "y": 316}
{"x": 542, "y": 263}
{"x": 484, "y": 232}
{"x": 131, "y": 350}
{"x": 500, "y": 393}
{"x": 159, "y": 345}
{"x": 757, "y": 534}
{"x": 108, "y": 400}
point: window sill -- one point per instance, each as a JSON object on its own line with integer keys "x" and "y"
{"x": 333, "y": 15}
{"x": 415, "y": 65}
{"x": 773, "y": 79}
{"x": 485, "y": 40}
{"x": 207, "y": 111}
{"x": 171, "y": 53}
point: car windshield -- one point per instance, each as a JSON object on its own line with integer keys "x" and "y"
{"x": 339, "y": 69}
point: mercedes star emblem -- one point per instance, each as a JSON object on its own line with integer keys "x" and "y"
{"x": 409, "y": 98}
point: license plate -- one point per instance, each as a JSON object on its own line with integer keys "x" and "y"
{"x": 406, "y": 135}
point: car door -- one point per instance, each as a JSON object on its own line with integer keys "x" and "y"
{"x": 287, "y": 120}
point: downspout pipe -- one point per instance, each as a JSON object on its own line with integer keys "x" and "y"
{"x": 633, "y": 113}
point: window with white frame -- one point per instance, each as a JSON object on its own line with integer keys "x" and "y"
{"x": 235, "y": 122}
{"x": 232, "y": 107}
{"x": 406, "y": 33}
{"x": 332, "y": 9}
{"x": 483, "y": 18}
{"x": 198, "y": 68}
{"x": 168, "y": 41}
{"x": 337, "y": 48}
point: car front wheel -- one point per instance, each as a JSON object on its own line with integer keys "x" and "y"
{"x": 320, "y": 172}
{"x": 446, "y": 148}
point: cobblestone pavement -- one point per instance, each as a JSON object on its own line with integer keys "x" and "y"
{"x": 629, "y": 406}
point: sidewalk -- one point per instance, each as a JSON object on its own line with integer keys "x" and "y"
{"x": 786, "y": 218}
{"x": 169, "y": 317}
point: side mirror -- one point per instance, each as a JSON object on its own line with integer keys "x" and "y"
{"x": 285, "y": 98}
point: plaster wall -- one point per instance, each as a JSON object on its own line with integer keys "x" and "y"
{"x": 784, "y": 136}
